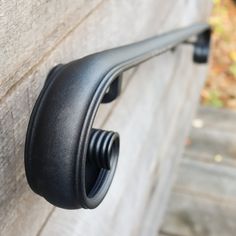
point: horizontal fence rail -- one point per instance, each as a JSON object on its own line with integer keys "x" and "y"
{"x": 67, "y": 161}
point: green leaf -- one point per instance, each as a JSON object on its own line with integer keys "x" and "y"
{"x": 214, "y": 100}
{"x": 232, "y": 69}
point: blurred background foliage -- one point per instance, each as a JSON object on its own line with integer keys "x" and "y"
{"x": 220, "y": 88}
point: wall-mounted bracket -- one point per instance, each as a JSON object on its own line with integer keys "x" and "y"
{"x": 201, "y": 46}
{"x": 113, "y": 91}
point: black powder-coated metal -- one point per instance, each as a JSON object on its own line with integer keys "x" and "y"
{"x": 68, "y": 162}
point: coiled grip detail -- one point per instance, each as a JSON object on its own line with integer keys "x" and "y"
{"x": 103, "y": 148}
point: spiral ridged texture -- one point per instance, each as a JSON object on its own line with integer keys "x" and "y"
{"x": 103, "y": 148}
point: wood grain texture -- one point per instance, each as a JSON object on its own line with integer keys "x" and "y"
{"x": 215, "y": 136}
{"x": 217, "y": 119}
{"x": 215, "y": 182}
{"x": 203, "y": 201}
{"x": 209, "y": 218}
{"x": 208, "y": 143}
{"x": 134, "y": 116}
{"x": 31, "y": 29}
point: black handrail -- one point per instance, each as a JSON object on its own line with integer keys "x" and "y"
{"x": 67, "y": 161}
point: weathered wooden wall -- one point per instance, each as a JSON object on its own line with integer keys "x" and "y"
{"x": 152, "y": 115}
